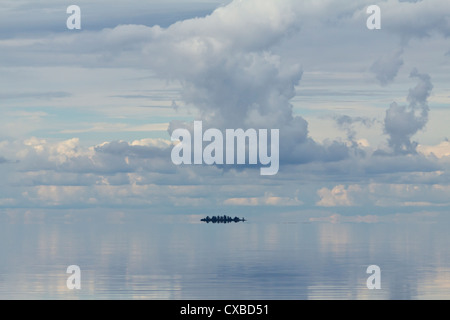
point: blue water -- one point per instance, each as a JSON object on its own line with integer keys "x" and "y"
{"x": 142, "y": 256}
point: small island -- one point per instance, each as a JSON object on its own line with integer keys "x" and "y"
{"x": 223, "y": 219}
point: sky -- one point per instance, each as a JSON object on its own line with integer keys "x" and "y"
{"x": 87, "y": 115}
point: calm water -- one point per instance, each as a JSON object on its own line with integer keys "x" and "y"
{"x": 137, "y": 256}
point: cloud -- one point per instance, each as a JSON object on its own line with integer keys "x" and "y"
{"x": 106, "y": 158}
{"x": 140, "y": 173}
{"x": 230, "y": 75}
{"x": 384, "y": 195}
{"x": 267, "y": 200}
{"x": 338, "y": 196}
{"x": 348, "y": 123}
{"x": 441, "y": 150}
{"x": 26, "y": 17}
{"x": 402, "y": 122}
{"x": 386, "y": 68}
{"x": 416, "y": 19}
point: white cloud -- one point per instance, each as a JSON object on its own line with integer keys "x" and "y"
{"x": 441, "y": 150}
{"x": 267, "y": 200}
{"x": 385, "y": 195}
{"x": 338, "y": 196}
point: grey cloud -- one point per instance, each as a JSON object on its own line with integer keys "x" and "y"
{"x": 121, "y": 157}
{"x": 402, "y": 122}
{"x": 378, "y": 168}
{"x": 123, "y": 148}
{"x": 418, "y": 95}
{"x": 396, "y": 165}
{"x": 416, "y": 19}
{"x": 230, "y": 75}
{"x": 26, "y": 17}
{"x": 386, "y": 68}
{"x": 111, "y": 171}
{"x": 108, "y": 158}
{"x": 348, "y": 123}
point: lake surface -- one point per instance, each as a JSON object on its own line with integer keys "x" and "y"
{"x": 139, "y": 256}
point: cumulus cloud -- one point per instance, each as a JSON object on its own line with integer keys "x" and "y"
{"x": 338, "y": 196}
{"x": 140, "y": 173}
{"x": 70, "y": 156}
{"x": 402, "y": 122}
{"x": 230, "y": 75}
